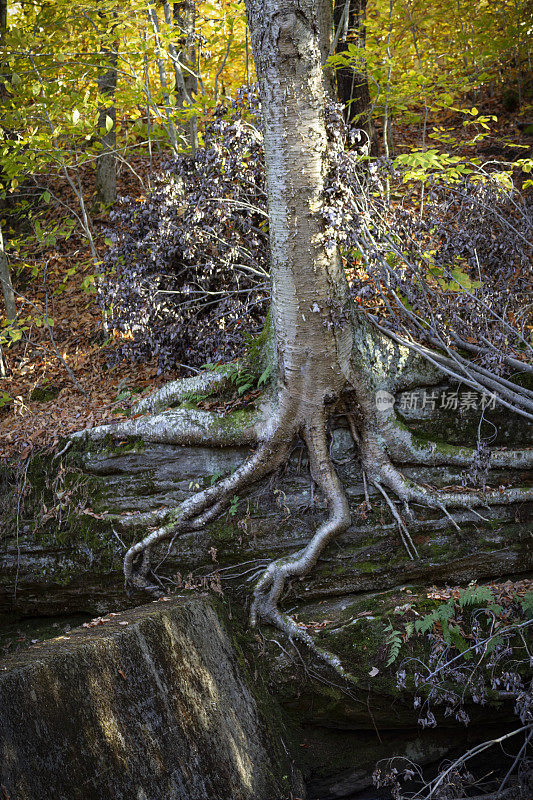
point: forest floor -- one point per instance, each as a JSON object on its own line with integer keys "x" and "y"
{"x": 39, "y": 403}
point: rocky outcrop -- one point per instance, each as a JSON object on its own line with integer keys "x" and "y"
{"x": 72, "y": 563}
{"x": 65, "y": 557}
{"x": 148, "y": 704}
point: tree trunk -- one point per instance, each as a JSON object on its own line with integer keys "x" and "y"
{"x": 106, "y": 168}
{"x": 7, "y": 286}
{"x": 308, "y": 284}
{"x": 184, "y": 14}
{"x": 325, "y": 26}
{"x": 5, "y": 275}
{"x": 352, "y": 82}
{"x": 170, "y": 127}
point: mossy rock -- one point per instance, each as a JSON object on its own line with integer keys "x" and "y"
{"x": 152, "y": 703}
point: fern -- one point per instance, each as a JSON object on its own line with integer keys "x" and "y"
{"x": 495, "y": 608}
{"x": 527, "y": 604}
{"x": 263, "y": 378}
{"x": 441, "y": 614}
{"x": 394, "y": 643}
{"x": 493, "y": 643}
{"x": 475, "y": 595}
{"x": 457, "y": 639}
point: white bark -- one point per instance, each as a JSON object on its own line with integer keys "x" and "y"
{"x": 308, "y": 285}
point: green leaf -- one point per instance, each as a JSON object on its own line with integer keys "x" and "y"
{"x": 264, "y": 376}
{"x": 15, "y": 334}
{"x": 394, "y": 642}
{"x": 476, "y": 595}
{"x": 527, "y": 603}
{"x": 5, "y": 399}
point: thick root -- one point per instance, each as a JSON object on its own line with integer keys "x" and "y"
{"x": 406, "y": 447}
{"x": 189, "y": 427}
{"x": 408, "y": 491}
{"x": 204, "y": 384}
{"x": 382, "y": 472}
{"x": 269, "y": 588}
{"x": 204, "y": 506}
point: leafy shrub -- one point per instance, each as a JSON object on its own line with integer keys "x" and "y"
{"x": 479, "y": 652}
{"x": 186, "y": 272}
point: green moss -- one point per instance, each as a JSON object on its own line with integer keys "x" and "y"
{"x": 43, "y": 394}
{"x": 437, "y": 549}
{"x": 221, "y": 532}
{"x": 367, "y": 566}
{"x": 121, "y": 446}
{"x": 258, "y": 350}
{"x": 235, "y": 421}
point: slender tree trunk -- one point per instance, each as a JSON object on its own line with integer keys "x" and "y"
{"x": 184, "y": 14}
{"x": 3, "y": 29}
{"x": 352, "y": 82}
{"x": 5, "y": 279}
{"x": 325, "y": 26}
{"x": 5, "y": 275}
{"x": 308, "y": 285}
{"x": 9, "y": 296}
{"x": 170, "y": 127}
{"x": 106, "y": 163}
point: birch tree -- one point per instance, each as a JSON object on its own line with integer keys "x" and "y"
{"x": 325, "y": 356}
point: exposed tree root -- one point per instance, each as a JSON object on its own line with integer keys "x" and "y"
{"x": 203, "y": 507}
{"x": 205, "y": 383}
{"x": 269, "y": 588}
{"x": 409, "y": 491}
{"x": 405, "y": 536}
{"x": 207, "y": 505}
{"x": 382, "y": 471}
{"x": 404, "y": 446}
{"x": 377, "y": 437}
{"x": 190, "y": 427}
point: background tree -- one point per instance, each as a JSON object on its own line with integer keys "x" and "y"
{"x": 186, "y": 65}
{"x": 5, "y": 275}
{"x": 352, "y": 81}
{"x": 106, "y": 170}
